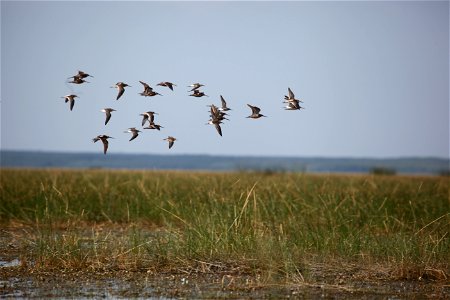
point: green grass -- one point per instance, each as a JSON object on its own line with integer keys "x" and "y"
{"x": 272, "y": 224}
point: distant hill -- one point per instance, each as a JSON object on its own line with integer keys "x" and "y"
{"x": 222, "y": 163}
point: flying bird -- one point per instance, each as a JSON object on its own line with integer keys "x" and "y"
{"x": 216, "y": 124}
{"x": 134, "y": 131}
{"x": 171, "y": 140}
{"x": 148, "y": 90}
{"x": 198, "y": 94}
{"x": 108, "y": 113}
{"x": 290, "y": 97}
{"x": 293, "y": 105}
{"x": 77, "y": 80}
{"x": 224, "y": 104}
{"x": 154, "y": 126}
{"x": 148, "y": 116}
{"x": 70, "y": 99}
{"x": 170, "y": 85}
{"x": 121, "y": 88}
{"x": 255, "y": 112}
{"x": 82, "y": 75}
{"x": 195, "y": 86}
{"x": 104, "y": 139}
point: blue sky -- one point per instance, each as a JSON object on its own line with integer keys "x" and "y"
{"x": 374, "y": 76}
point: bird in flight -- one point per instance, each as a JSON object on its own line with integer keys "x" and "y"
{"x": 170, "y": 85}
{"x": 148, "y": 116}
{"x": 121, "y": 88}
{"x": 134, "y": 131}
{"x": 195, "y": 86}
{"x": 104, "y": 139}
{"x": 107, "y": 111}
{"x": 171, "y": 140}
{"x": 255, "y": 112}
{"x": 70, "y": 99}
{"x": 198, "y": 94}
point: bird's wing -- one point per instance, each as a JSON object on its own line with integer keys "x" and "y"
{"x": 108, "y": 116}
{"x": 121, "y": 91}
{"x": 135, "y": 134}
{"x": 144, "y": 118}
{"x": 224, "y": 103}
{"x": 72, "y": 102}
{"x": 219, "y": 130}
{"x": 255, "y": 110}
{"x": 291, "y": 94}
{"x": 146, "y": 86}
{"x": 96, "y": 139}
{"x": 105, "y": 145}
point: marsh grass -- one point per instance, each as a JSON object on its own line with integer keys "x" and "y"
{"x": 273, "y": 225}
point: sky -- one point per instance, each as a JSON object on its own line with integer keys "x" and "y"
{"x": 374, "y": 76}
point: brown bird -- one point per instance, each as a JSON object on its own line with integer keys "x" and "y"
{"x": 198, "y": 94}
{"x": 255, "y": 112}
{"x": 104, "y": 139}
{"x": 121, "y": 88}
{"x": 148, "y": 90}
{"x": 291, "y": 97}
{"x": 71, "y": 99}
{"x": 134, "y": 131}
{"x": 293, "y": 105}
{"x": 77, "y": 80}
{"x": 154, "y": 126}
{"x": 148, "y": 116}
{"x": 195, "y": 86}
{"x": 108, "y": 113}
{"x": 224, "y": 104}
{"x": 170, "y": 85}
{"x": 171, "y": 140}
{"x": 82, "y": 75}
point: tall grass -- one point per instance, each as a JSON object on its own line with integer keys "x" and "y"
{"x": 251, "y": 222}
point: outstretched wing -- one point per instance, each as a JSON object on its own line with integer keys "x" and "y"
{"x": 255, "y": 110}
{"x": 144, "y": 119}
{"x": 170, "y": 143}
{"x": 219, "y": 130}
{"x": 135, "y": 134}
{"x": 224, "y": 103}
{"x": 291, "y": 94}
{"x": 108, "y": 116}
{"x": 121, "y": 91}
{"x": 105, "y": 145}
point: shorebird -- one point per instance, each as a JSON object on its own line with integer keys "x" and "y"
{"x": 195, "y": 86}
{"x": 77, "y": 80}
{"x": 154, "y": 126}
{"x": 171, "y": 140}
{"x": 217, "y": 117}
{"x": 148, "y": 90}
{"x": 198, "y": 94}
{"x": 108, "y": 113}
{"x": 71, "y": 99}
{"x": 134, "y": 131}
{"x": 104, "y": 139}
{"x": 148, "y": 116}
{"x": 121, "y": 88}
{"x": 290, "y": 97}
{"x": 293, "y": 105}
{"x": 216, "y": 123}
{"x": 168, "y": 84}
{"x": 255, "y": 112}
{"x": 81, "y": 74}
{"x": 224, "y": 104}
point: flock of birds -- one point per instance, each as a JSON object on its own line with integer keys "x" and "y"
{"x": 217, "y": 113}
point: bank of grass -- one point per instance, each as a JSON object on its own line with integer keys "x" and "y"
{"x": 273, "y": 225}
